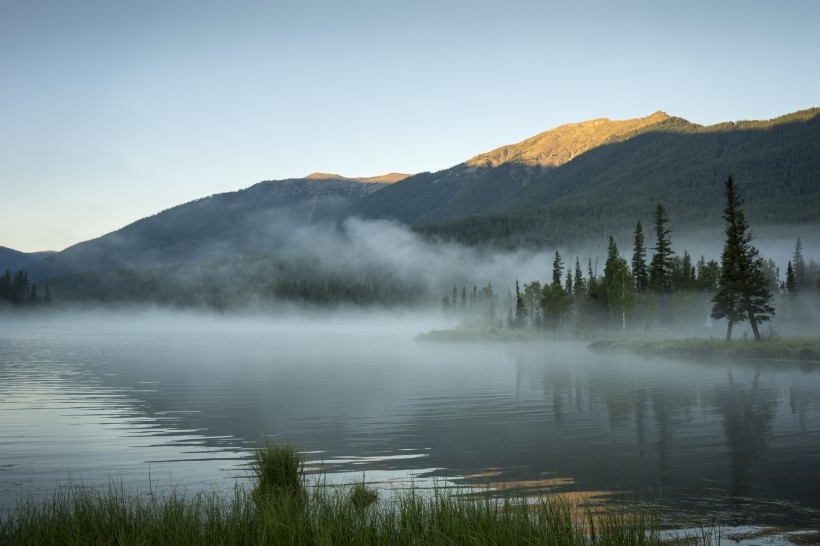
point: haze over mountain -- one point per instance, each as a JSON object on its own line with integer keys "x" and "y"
{"x": 222, "y": 224}
{"x": 14, "y": 260}
{"x": 574, "y": 183}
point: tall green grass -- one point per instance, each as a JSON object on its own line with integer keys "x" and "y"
{"x": 282, "y": 508}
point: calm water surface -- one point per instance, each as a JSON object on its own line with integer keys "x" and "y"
{"x": 179, "y": 402}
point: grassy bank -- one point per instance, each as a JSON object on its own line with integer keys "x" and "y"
{"x": 282, "y": 509}
{"x": 799, "y": 349}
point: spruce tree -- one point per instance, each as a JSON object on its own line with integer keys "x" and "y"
{"x": 743, "y": 289}
{"x": 639, "y": 260}
{"x": 799, "y": 266}
{"x": 520, "y": 308}
{"x": 791, "y": 280}
{"x": 660, "y": 277}
{"x": 557, "y": 269}
{"x": 611, "y": 256}
{"x": 579, "y": 286}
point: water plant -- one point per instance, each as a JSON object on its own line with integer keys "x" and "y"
{"x": 282, "y": 508}
{"x": 278, "y": 471}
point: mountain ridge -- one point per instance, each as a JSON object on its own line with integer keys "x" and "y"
{"x": 633, "y": 165}
{"x": 388, "y": 178}
{"x": 561, "y": 144}
{"x": 617, "y": 166}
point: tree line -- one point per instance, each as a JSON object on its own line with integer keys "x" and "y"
{"x": 662, "y": 289}
{"x": 16, "y": 290}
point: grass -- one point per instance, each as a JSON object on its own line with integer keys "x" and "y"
{"x": 800, "y": 349}
{"x": 279, "y": 471}
{"x": 282, "y": 509}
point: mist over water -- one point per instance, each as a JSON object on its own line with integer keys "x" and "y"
{"x": 179, "y": 399}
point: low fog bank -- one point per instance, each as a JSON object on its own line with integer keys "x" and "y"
{"x": 377, "y": 274}
{"x": 139, "y": 319}
{"x": 359, "y": 262}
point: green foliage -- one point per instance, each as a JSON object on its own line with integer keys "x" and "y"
{"x": 743, "y": 292}
{"x": 707, "y": 275}
{"x": 320, "y": 514}
{"x": 278, "y": 471}
{"x": 362, "y": 496}
{"x": 639, "y": 269}
{"x": 557, "y": 268}
{"x": 237, "y": 281}
{"x": 801, "y": 276}
{"x": 555, "y": 305}
{"x": 603, "y": 190}
{"x": 520, "y": 320}
{"x": 660, "y": 268}
{"x": 791, "y": 281}
{"x": 620, "y": 291}
{"x": 17, "y": 291}
{"x": 803, "y": 349}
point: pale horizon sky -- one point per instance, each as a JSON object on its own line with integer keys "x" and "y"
{"x": 113, "y": 111}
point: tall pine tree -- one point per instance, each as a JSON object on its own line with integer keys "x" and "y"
{"x": 639, "y": 260}
{"x": 557, "y": 269}
{"x": 660, "y": 269}
{"x": 743, "y": 292}
{"x": 799, "y": 265}
{"x": 791, "y": 280}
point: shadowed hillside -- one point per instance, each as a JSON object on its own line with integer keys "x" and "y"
{"x": 256, "y": 219}
{"x": 608, "y": 187}
{"x": 14, "y": 260}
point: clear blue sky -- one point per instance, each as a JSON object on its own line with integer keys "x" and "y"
{"x": 111, "y": 111}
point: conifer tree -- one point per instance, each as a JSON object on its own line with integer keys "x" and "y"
{"x": 743, "y": 292}
{"x": 791, "y": 281}
{"x": 611, "y": 256}
{"x": 557, "y": 269}
{"x": 579, "y": 286}
{"x": 639, "y": 260}
{"x": 620, "y": 294}
{"x": 520, "y": 308}
{"x": 660, "y": 277}
{"x": 799, "y": 266}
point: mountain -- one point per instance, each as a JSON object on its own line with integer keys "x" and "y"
{"x": 257, "y": 219}
{"x": 563, "y": 144}
{"x": 14, "y": 260}
{"x": 574, "y": 183}
{"x": 593, "y": 178}
{"x": 479, "y": 184}
{"x": 388, "y": 178}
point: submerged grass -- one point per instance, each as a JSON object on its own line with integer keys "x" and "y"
{"x": 279, "y": 510}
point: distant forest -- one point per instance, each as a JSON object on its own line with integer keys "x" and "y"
{"x": 17, "y": 291}
{"x": 602, "y": 191}
{"x": 662, "y": 291}
{"x": 234, "y": 282}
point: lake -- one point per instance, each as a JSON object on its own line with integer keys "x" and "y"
{"x": 161, "y": 400}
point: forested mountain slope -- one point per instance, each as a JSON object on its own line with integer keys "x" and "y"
{"x": 611, "y": 185}
{"x": 14, "y": 260}
{"x": 255, "y": 219}
{"x": 480, "y": 184}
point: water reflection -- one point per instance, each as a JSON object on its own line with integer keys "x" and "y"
{"x": 733, "y": 439}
